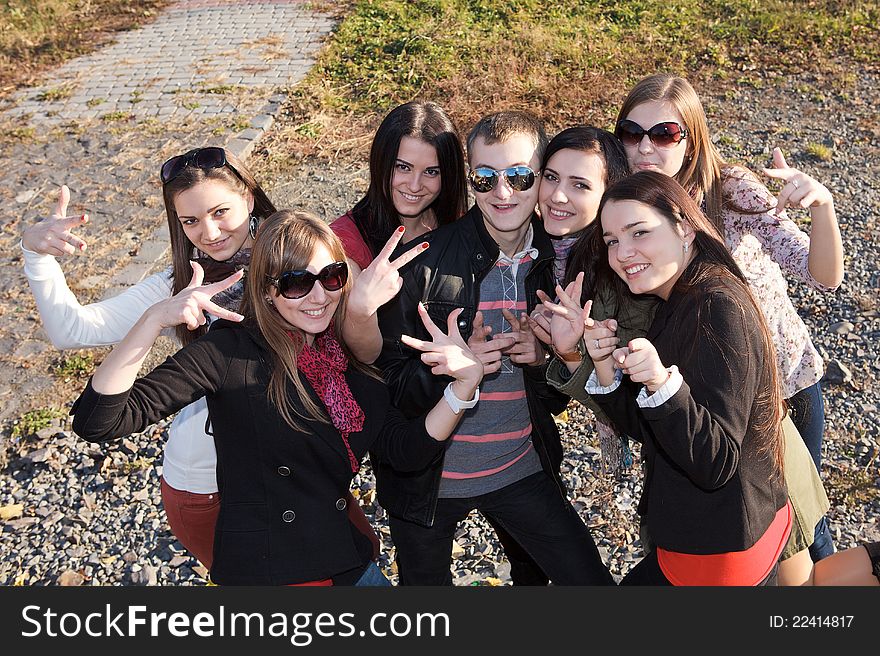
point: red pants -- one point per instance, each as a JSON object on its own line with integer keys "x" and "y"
{"x": 192, "y": 518}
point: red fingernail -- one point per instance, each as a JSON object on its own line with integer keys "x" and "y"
{"x": 82, "y": 247}
{"x": 425, "y": 245}
{"x": 83, "y": 218}
{"x": 401, "y": 229}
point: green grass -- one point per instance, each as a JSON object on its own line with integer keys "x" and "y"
{"x": 55, "y": 94}
{"x": 33, "y": 421}
{"x": 75, "y": 366}
{"x": 488, "y": 53}
{"x": 820, "y": 151}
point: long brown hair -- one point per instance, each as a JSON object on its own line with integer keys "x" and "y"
{"x": 704, "y": 170}
{"x": 715, "y": 270}
{"x": 286, "y": 241}
{"x": 239, "y": 179}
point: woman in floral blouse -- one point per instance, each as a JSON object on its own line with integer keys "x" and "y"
{"x": 663, "y": 127}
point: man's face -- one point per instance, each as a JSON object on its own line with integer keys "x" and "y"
{"x": 505, "y": 210}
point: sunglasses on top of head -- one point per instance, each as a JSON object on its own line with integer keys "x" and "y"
{"x": 298, "y": 283}
{"x": 484, "y": 179}
{"x": 662, "y": 135}
{"x": 211, "y": 157}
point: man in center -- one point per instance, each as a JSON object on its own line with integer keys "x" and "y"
{"x": 504, "y": 459}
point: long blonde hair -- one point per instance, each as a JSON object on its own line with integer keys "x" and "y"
{"x": 286, "y": 241}
{"x": 701, "y": 172}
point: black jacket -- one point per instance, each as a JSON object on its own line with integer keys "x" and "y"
{"x": 448, "y": 276}
{"x": 708, "y": 488}
{"x": 282, "y": 491}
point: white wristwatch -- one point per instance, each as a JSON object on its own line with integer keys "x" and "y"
{"x": 455, "y": 403}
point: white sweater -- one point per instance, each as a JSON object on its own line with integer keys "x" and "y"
{"x": 190, "y": 460}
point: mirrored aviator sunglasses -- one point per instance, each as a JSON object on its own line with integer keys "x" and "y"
{"x": 298, "y": 283}
{"x": 662, "y": 135}
{"x": 211, "y": 157}
{"x": 484, "y": 179}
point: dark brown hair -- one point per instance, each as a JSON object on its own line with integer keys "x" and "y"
{"x": 235, "y": 176}
{"x": 375, "y": 215}
{"x": 501, "y": 126}
{"x": 714, "y": 264}
{"x": 608, "y": 148}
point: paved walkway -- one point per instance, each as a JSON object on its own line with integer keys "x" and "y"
{"x": 204, "y": 72}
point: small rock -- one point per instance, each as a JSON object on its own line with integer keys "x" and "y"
{"x": 841, "y": 327}
{"x": 71, "y": 578}
{"x": 836, "y": 373}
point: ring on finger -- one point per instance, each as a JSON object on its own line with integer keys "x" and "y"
{"x": 597, "y": 343}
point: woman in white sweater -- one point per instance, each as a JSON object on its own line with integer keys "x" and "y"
{"x": 213, "y": 205}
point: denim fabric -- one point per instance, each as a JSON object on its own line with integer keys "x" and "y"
{"x": 372, "y": 578}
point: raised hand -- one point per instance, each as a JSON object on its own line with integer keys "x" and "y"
{"x": 447, "y": 354}
{"x": 640, "y": 361}
{"x": 381, "y": 281}
{"x": 489, "y": 351}
{"x": 799, "y": 189}
{"x": 188, "y": 306}
{"x": 567, "y": 316}
{"x": 526, "y": 348}
{"x": 52, "y": 236}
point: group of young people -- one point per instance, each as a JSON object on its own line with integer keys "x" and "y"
{"x": 634, "y": 271}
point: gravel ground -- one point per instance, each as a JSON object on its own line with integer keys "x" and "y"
{"x": 92, "y": 516}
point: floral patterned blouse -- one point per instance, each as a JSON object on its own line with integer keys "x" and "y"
{"x": 764, "y": 245}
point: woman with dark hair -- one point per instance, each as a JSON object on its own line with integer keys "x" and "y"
{"x": 663, "y": 128}
{"x": 294, "y": 413}
{"x": 700, "y": 391}
{"x": 417, "y": 180}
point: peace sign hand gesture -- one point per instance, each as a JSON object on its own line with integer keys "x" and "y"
{"x": 447, "y": 354}
{"x": 52, "y": 236}
{"x": 381, "y": 281}
{"x": 189, "y": 305}
{"x": 799, "y": 189}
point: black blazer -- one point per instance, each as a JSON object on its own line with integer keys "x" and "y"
{"x": 283, "y": 491}
{"x": 708, "y": 488}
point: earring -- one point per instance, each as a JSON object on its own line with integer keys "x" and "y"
{"x": 253, "y": 224}
{"x": 686, "y": 247}
{"x": 270, "y": 301}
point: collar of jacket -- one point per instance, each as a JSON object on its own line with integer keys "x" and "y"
{"x": 487, "y": 253}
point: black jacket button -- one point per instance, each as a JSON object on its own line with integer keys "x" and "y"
{"x": 288, "y": 516}
{"x": 284, "y": 471}
{"x": 341, "y": 504}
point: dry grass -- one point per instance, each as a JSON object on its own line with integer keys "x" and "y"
{"x": 38, "y": 34}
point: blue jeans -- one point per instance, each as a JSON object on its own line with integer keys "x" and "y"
{"x": 808, "y": 415}
{"x": 372, "y": 578}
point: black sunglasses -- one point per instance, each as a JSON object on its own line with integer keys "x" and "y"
{"x": 662, "y": 135}
{"x": 483, "y": 179}
{"x": 211, "y": 157}
{"x": 296, "y": 284}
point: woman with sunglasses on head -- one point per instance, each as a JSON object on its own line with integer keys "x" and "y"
{"x": 700, "y": 391}
{"x": 294, "y": 413}
{"x": 213, "y": 205}
{"x": 663, "y": 128}
{"x": 417, "y": 180}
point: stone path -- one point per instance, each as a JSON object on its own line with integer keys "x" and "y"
{"x": 204, "y": 72}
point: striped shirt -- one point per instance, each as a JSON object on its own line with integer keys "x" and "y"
{"x": 493, "y": 445}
